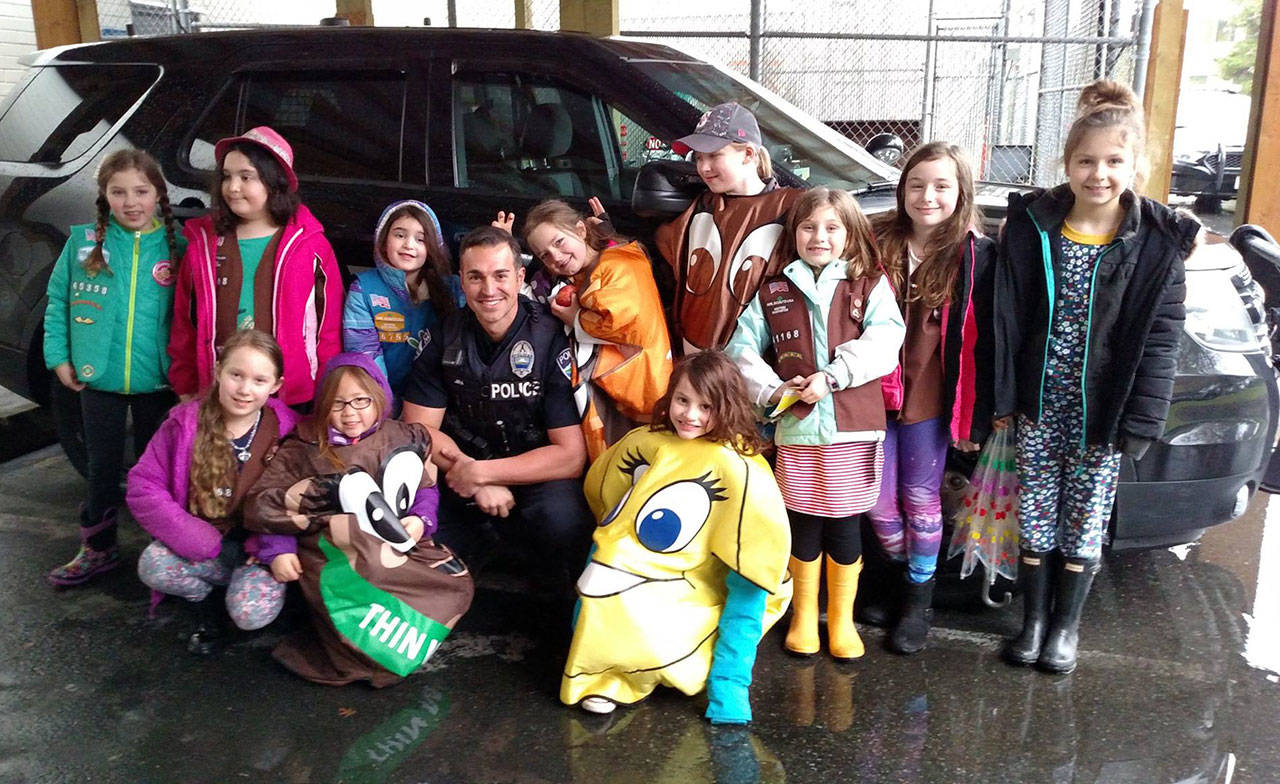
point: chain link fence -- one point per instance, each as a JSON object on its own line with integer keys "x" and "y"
{"x": 997, "y": 77}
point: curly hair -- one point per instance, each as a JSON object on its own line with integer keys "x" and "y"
{"x": 714, "y": 377}
{"x": 212, "y": 459}
{"x": 113, "y": 164}
{"x": 940, "y": 268}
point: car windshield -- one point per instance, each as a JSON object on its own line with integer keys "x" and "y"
{"x": 811, "y": 151}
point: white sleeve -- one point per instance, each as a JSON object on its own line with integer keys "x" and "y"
{"x": 745, "y": 347}
{"x": 875, "y": 353}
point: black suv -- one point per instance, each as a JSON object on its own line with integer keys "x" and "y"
{"x": 474, "y": 121}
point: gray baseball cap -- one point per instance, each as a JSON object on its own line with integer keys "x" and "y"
{"x": 718, "y": 126}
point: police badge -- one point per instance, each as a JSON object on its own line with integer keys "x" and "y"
{"x": 522, "y": 359}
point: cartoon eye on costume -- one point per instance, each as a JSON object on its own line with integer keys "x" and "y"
{"x": 705, "y": 249}
{"x": 675, "y": 514}
{"x": 401, "y": 475}
{"x": 361, "y": 497}
{"x": 754, "y": 251}
{"x": 633, "y": 465}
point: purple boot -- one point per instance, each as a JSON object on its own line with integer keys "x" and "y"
{"x": 88, "y": 562}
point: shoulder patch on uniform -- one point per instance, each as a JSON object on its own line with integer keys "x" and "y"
{"x": 565, "y": 362}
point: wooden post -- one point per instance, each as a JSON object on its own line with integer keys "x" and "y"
{"x": 597, "y": 17}
{"x": 1259, "y": 201}
{"x": 524, "y": 14}
{"x": 61, "y": 22}
{"x": 1160, "y": 103}
{"x": 358, "y": 12}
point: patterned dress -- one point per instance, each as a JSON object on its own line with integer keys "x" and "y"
{"x": 1068, "y": 487}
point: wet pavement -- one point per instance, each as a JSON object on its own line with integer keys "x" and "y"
{"x": 93, "y": 691}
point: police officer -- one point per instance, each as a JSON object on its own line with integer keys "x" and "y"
{"x": 493, "y": 387}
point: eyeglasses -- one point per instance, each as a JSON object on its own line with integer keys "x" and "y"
{"x": 358, "y": 403}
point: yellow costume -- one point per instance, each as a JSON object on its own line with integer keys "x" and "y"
{"x": 620, "y": 346}
{"x": 676, "y": 517}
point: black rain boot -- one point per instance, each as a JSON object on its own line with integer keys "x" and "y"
{"x": 1033, "y": 575}
{"x": 208, "y": 633}
{"x": 909, "y": 635}
{"x": 1059, "y": 652}
{"x": 881, "y": 585}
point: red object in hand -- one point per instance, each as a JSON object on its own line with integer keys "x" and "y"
{"x": 564, "y": 297}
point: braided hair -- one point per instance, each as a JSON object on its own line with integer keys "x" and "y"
{"x": 113, "y": 164}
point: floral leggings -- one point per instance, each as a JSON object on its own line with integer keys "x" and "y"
{"x": 254, "y": 598}
{"x": 1068, "y": 488}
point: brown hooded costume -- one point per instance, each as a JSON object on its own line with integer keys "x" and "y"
{"x": 379, "y": 603}
{"x": 721, "y": 248}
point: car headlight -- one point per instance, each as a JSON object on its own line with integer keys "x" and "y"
{"x": 1216, "y": 316}
{"x": 1187, "y": 157}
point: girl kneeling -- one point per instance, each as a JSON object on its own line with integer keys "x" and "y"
{"x": 188, "y": 487}
{"x": 359, "y": 491}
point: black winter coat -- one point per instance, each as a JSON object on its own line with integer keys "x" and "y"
{"x": 1135, "y": 319}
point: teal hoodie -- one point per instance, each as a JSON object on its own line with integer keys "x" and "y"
{"x": 113, "y": 326}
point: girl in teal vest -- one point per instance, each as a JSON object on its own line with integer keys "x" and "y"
{"x": 105, "y": 331}
{"x": 391, "y": 307}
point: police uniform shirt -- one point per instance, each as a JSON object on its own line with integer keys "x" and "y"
{"x": 426, "y": 385}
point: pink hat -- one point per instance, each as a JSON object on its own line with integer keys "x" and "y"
{"x": 270, "y": 141}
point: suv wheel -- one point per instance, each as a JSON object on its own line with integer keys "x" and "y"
{"x": 1208, "y": 205}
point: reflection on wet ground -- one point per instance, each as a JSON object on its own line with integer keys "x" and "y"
{"x": 91, "y": 690}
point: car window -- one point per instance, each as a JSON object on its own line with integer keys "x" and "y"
{"x": 64, "y": 110}
{"x": 531, "y": 135}
{"x": 346, "y": 125}
{"x": 637, "y": 146}
{"x": 809, "y": 150}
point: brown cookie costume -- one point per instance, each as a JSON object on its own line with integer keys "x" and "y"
{"x": 380, "y": 604}
{"x": 721, "y": 248}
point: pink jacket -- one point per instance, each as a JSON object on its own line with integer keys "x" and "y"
{"x": 158, "y": 484}
{"x": 307, "y": 307}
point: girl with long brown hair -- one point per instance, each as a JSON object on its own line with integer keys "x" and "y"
{"x": 105, "y": 330}
{"x": 813, "y": 345}
{"x": 940, "y": 265}
{"x": 391, "y": 308}
{"x": 187, "y": 491}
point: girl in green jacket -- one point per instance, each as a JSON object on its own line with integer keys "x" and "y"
{"x": 106, "y": 329}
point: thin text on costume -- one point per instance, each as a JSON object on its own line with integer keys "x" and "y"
{"x": 396, "y": 633}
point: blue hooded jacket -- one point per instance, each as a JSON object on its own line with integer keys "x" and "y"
{"x": 381, "y": 320}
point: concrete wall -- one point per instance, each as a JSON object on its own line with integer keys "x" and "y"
{"x": 17, "y": 37}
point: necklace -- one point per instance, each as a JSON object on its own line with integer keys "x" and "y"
{"x": 241, "y": 445}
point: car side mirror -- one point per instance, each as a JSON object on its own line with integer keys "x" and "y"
{"x": 665, "y": 188}
{"x": 888, "y": 147}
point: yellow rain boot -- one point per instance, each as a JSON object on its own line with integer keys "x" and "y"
{"x": 842, "y": 587}
{"x": 802, "y": 635}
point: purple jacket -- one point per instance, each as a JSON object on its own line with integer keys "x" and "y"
{"x": 157, "y": 491}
